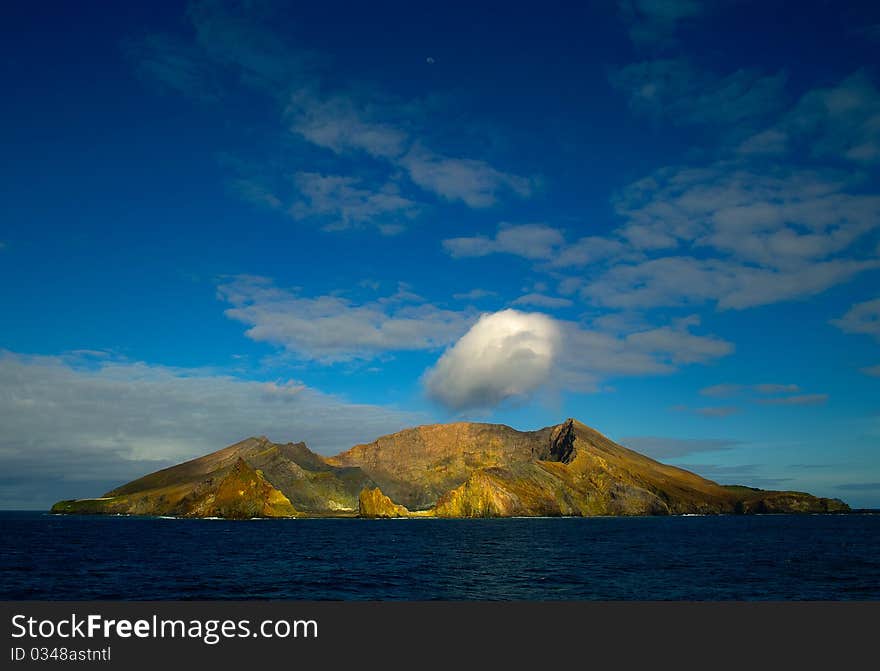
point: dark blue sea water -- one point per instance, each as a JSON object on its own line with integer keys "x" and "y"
{"x": 656, "y": 558}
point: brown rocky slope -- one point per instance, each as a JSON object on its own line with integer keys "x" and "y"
{"x": 447, "y": 470}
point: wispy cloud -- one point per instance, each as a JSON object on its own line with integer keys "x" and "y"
{"x": 343, "y": 203}
{"x": 344, "y": 125}
{"x": 653, "y": 23}
{"x": 530, "y": 241}
{"x": 859, "y": 486}
{"x": 708, "y": 411}
{"x": 722, "y": 390}
{"x": 332, "y": 328}
{"x": 149, "y": 417}
{"x": 717, "y": 411}
{"x": 232, "y": 46}
{"x": 774, "y": 388}
{"x": 841, "y": 121}
{"x": 474, "y": 295}
{"x": 663, "y": 447}
{"x": 735, "y": 237}
{"x": 861, "y": 318}
{"x": 680, "y": 92}
{"x": 473, "y": 182}
{"x": 801, "y": 399}
{"x": 725, "y": 234}
{"x": 744, "y": 474}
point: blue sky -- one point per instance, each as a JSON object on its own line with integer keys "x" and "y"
{"x": 326, "y": 222}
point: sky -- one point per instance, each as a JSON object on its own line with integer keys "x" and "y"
{"x": 330, "y": 221}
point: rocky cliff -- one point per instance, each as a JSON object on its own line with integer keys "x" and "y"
{"x": 373, "y": 503}
{"x": 443, "y": 470}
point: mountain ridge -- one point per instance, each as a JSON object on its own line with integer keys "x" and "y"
{"x": 461, "y": 469}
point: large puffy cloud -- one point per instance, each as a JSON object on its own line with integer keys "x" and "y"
{"x": 508, "y": 354}
{"x": 512, "y": 354}
{"x": 76, "y": 425}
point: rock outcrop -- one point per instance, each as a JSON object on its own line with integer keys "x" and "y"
{"x": 373, "y": 503}
{"x": 242, "y": 494}
{"x": 444, "y": 470}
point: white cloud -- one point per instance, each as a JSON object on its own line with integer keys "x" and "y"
{"x": 802, "y": 399}
{"x": 684, "y": 280}
{"x": 724, "y": 234}
{"x": 766, "y": 388}
{"x": 474, "y": 295}
{"x": 721, "y": 390}
{"x": 558, "y": 355}
{"x": 717, "y": 411}
{"x": 660, "y": 447}
{"x": 336, "y": 123}
{"x": 530, "y": 241}
{"x": 342, "y": 125}
{"x": 505, "y": 355}
{"x": 774, "y": 388}
{"x": 474, "y": 182}
{"x": 735, "y": 237}
{"x": 345, "y": 203}
{"x": 333, "y": 328}
{"x": 539, "y": 242}
{"x": 231, "y": 40}
{"x": 76, "y": 427}
{"x": 679, "y": 346}
{"x": 588, "y": 356}
{"x": 861, "y": 318}
{"x": 841, "y": 121}
{"x": 762, "y": 217}
{"x": 588, "y": 250}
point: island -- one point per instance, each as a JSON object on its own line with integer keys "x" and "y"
{"x": 457, "y": 470}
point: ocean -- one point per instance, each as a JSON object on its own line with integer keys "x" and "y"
{"x": 772, "y": 557}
